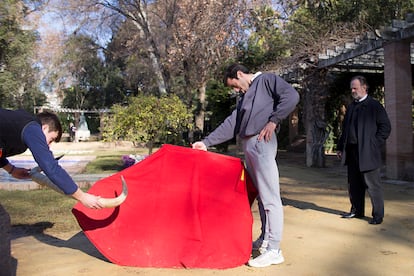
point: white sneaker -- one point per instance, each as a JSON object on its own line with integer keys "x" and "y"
{"x": 260, "y": 245}
{"x": 268, "y": 258}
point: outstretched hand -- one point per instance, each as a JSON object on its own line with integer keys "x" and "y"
{"x": 88, "y": 200}
{"x": 199, "y": 145}
{"x": 20, "y": 173}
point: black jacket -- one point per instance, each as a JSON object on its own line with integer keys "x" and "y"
{"x": 12, "y": 124}
{"x": 374, "y": 127}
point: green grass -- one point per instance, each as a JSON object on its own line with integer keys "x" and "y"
{"x": 110, "y": 161}
{"x": 105, "y": 164}
{"x": 36, "y": 210}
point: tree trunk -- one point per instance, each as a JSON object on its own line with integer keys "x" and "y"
{"x": 319, "y": 136}
{"x": 199, "y": 118}
{"x": 154, "y": 57}
{"x": 150, "y": 146}
{"x": 315, "y": 124}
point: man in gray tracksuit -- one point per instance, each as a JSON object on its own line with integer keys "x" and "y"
{"x": 265, "y": 101}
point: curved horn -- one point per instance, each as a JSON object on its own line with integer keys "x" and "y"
{"x": 37, "y": 176}
{"x": 114, "y": 202}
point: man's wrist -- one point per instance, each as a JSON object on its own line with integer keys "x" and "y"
{"x": 12, "y": 169}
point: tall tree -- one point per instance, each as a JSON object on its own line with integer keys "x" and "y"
{"x": 81, "y": 57}
{"x": 266, "y": 44}
{"x": 204, "y": 35}
{"x": 125, "y": 51}
{"x": 150, "y": 19}
{"x": 184, "y": 40}
{"x": 17, "y": 69}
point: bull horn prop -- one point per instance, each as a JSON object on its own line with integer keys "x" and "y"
{"x": 114, "y": 202}
{"x": 40, "y": 178}
{"x": 37, "y": 176}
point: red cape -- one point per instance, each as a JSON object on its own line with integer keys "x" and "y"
{"x": 185, "y": 208}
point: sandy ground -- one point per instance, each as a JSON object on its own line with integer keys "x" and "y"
{"x": 316, "y": 240}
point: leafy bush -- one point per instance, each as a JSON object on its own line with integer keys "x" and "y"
{"x": 147, "y": 119}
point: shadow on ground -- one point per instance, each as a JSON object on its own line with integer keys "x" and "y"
{"x": 78, "y": 242}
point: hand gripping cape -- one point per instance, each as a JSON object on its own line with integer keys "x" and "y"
{"x": 185, "y": 208}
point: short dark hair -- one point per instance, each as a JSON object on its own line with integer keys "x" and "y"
{"x": 51, "y": 119}
{"x": 231, "y": 72}
{"x": 362, "y": 80}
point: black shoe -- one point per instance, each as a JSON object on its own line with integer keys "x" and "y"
{"x": 351, "y": 215}
{"x": 375, "y": 221}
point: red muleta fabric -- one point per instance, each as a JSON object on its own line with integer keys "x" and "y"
{"x": 185, "y": 208}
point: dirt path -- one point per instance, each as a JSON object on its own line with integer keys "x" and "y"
{"x": 316, "y": 240}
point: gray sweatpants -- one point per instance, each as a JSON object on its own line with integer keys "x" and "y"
{"x": 261, "y": 164}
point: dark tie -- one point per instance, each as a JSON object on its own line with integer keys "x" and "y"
{"x": 239, "y": 114}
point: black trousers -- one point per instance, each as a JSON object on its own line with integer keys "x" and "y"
{"x": 359, "y": 181}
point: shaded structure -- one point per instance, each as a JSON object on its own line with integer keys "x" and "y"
{"x": 390, "y": 52}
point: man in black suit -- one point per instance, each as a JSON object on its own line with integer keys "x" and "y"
{"x": 366, "y": 127}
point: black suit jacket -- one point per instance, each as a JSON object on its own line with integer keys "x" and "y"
{"x": 374, "y": 127}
